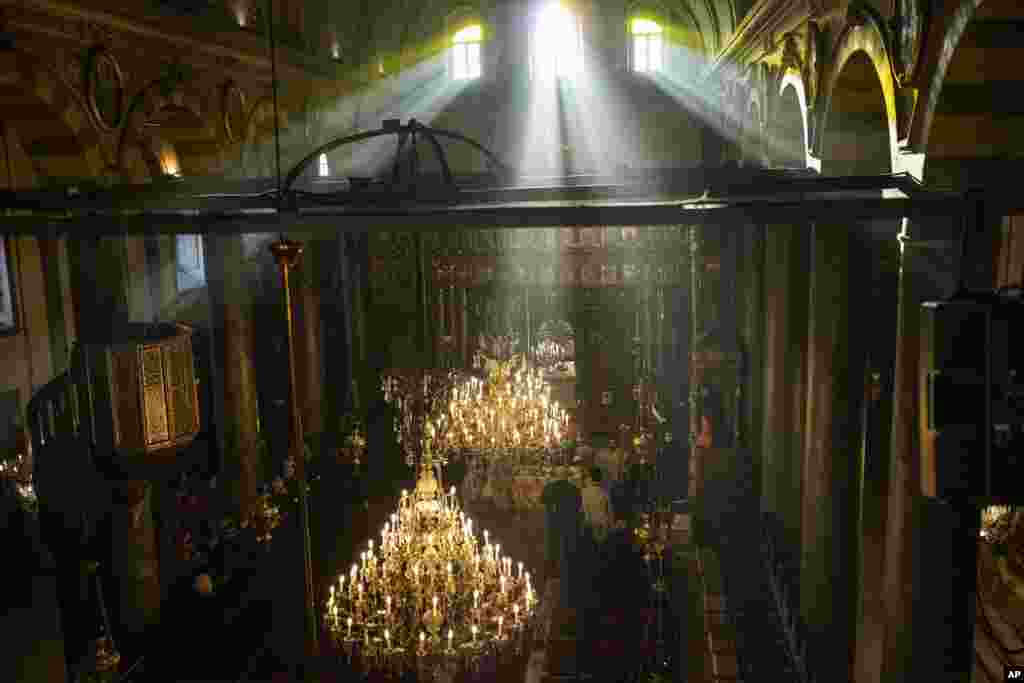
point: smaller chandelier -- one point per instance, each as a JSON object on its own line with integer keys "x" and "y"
{"x": 354, "y": 447}
{"x": 510, "y": 411}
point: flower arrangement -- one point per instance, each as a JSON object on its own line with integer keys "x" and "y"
{"x": 997, "y": 522}
{"x": 266, "y": 518}
{"x": 16, "y": 477}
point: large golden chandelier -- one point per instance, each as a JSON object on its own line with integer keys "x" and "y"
{"x": 510, "y": 411}
{"x": 429, "y": 596}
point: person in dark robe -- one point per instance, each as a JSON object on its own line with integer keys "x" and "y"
{"x": 564, "y": 510}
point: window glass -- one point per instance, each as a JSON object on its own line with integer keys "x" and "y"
{"x": 466, "y": 62}
{"x": 647, "y": 45}
{"x": 190, "y": 261}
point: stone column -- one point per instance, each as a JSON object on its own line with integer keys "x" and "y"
{"x": 233, "y": 342}
{"x": 337, "y": 330}
{"x": 694, "y": 331}
{"x": 796, "y": 390}
{"x": 927, "y": 272}
{"x": 99, "y": 284}
{"x": 133, "y": 545}
{"x": 778, "y": 401}
{"x": 785, "y": 343}
{"x": 307, "y": 333}
{"x": 140, "y": 304}
{"x": 837, "y": 361}
{"x": 752, "y": 326}
{"x": 880, "y": 335}
{"x": 52, "y": 259}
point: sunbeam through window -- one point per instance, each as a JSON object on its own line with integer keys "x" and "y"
{"x": 646, "y": 45}
{"x": 466, "y": 53}
{"x": 557, "y": 44}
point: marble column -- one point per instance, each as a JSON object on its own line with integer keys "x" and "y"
{"x": 99, "y": 285}
{"x": 140, "y": 303}
{"x": 307, "y": 332}
{"x": 778, "y": 403}
{"x": 785, "y": 343}
{"x": 752, "y": 261}
{"x": 337, "y": 331}
{"x": 837, "y": 355}
{"x": 796, "y": 391}
{"x": 694, "y": 332}
{"x": 52, "y": 254}
{"x": 880, "y": 335}
{"x": 927, "y": 272}
{"x": 231, "y": 318}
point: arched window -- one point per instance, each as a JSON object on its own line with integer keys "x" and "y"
{"x": 647, "y": 45}
{"x": 323, "y": 168}
{"x": 466, "y": 53}
{"x": 190, "y": 262}
{"x": 557, "y": 43}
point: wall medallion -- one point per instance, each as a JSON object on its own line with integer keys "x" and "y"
{"x": 233, "y": 108}
{"x": 106, "y": 89}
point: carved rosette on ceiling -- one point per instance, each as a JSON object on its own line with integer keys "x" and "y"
{"x": 105, "y": 89}
{"x": 908, "y": 30}
{"x": 233, "y": 112}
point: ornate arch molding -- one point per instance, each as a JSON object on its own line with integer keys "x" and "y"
{"x": 47, "y": 94}
{"x": 706, "y": 21}
{"x": 944, "y": 33}
{"x": 793, "y": 78}
{"x": 754, "y": 128}
{"x": 168, "y": 99}
{"x": 863, "y": 33}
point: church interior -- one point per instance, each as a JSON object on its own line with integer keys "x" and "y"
{"x": 511, "y": 340}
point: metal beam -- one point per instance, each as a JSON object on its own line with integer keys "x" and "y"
{"x": 218, "y": 194}
{"x": 502, "y": 216}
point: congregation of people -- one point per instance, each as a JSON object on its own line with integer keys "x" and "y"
{"x": 588, "y": 529}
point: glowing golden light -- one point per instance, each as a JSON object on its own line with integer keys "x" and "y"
{"x": 169, "y": 161}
